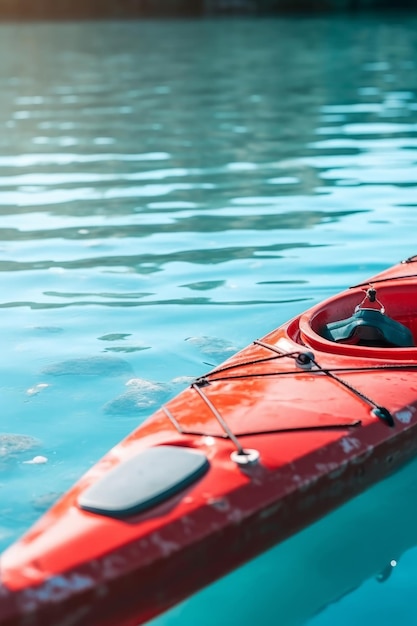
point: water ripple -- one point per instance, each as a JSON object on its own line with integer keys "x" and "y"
{"x": 29, "y": 160}
{"x": 168, "y": 192}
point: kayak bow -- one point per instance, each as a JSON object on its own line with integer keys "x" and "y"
{"x": 280, "y": 434}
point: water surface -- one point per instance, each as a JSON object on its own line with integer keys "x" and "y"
{"x": 170, "y": 191}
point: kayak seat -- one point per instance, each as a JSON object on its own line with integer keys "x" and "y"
{"x": 144, "y": 481}
{"x": 369, "y": 327}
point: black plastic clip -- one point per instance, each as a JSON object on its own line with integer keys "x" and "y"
{"x": 305, "y": 360}
{"x": 383, "y": 414}
{"x": 371, "y": 294}
{"x": 201, "y": 382}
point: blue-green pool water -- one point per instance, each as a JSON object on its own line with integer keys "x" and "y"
{"x": 170, "y": 191}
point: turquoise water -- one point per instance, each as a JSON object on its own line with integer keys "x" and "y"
{"x": 170, "y": 191}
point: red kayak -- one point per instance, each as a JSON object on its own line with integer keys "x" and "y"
{"x": 260, "y": 447}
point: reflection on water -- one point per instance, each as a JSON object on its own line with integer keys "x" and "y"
{"x": 170, "y": 191}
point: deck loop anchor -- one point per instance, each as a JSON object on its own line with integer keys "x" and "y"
{"x": 371, "y": 293}
{"x": 370, "y": 296}
{"x": 383, "y": 414}
{"x": 202, "y": 382}
{"x": 246, "y": 456}
{"x": 304, "y": 360}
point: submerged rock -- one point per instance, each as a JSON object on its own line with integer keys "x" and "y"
{"x": 90, "y": 366}
{"x": 218, "y": 349}
{"x": 12, "y": 445}
{"x": 36, "y": 389}
{"x": 37, "y": 460}
{"x": 114, "y": 337}
{"x": 49, "y": 330}
{"x": 183, "y": 380}
{"x": 140, "y": 396}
